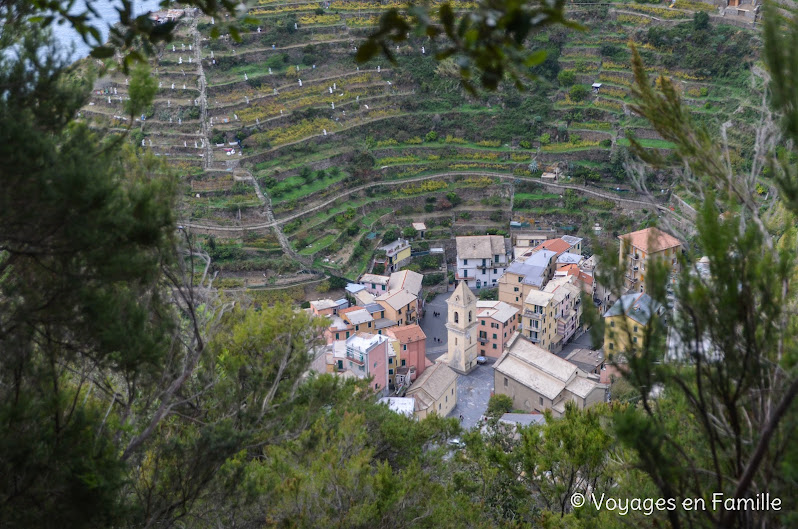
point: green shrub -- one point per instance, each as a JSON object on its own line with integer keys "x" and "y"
{"x": 498, "y": 405}
{"x": 578, "y": 92}
{"x": 566, "y": 77}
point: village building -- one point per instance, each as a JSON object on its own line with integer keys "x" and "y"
{"x": 412, "y": 353}
{"x": 538, "y": 380}
{"x": 397, "y": 254}
{"x": 525, "y": 275}
{"x": 366, "y": 357}
{"x": 498, "y": 321}
{"x": 375, "y": 284}
{"x": 420, "y": 228}
{"x": 402, "y": 405}
{"x": 627, "y": 322}
{"x": 435, "y": 391}
{"x": 552, "y": 315}
{"x": 481, "y": 260}
{"x": 400, "y": 306}
{"x": 640, "y": 249}
{"x": 588, "y": 360}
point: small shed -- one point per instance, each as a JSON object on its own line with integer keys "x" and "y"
{"x": 420, "y": 227}
{"x": 596, "y": 87}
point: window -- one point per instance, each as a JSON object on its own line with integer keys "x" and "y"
{"x": 494, "y": 335}
{"x": 483, "y": 322}
{"x": 452, "y": 391}
{"x": 341, "y": 364}
{"x": 404, "y": 348}
{"x": 520, "y": 279}
{"x": 337, "y": 337}
{"x": 541, "y": 400}
{"x": 403, "y": 361}
{"x": 374, "y": 286}
{"x": 494, "y": 270}
{"x": 376, "y": 386}
{"x": 400, "y": 311}
{"x": 634, "y": 339}
{"x": 483, "y": 271}
{"x": 612, "y": 346}
{"x": 390, "y": 371}
{"x": 369, "y": 325}
{"x": 456, "y": 317}
{"x": 390, "y": 361}
{"x": 347, "y": 334}
{"x": 446, "y": 398}
{"x": 383, "y": 287}
{"x": 496, "y": 258}
{"x": 375, "y": 364}
{"x": 469, "y": 316}
{"x": 494, "y": 346}
{"x": 483, "y": 262}
{"x": 439, "y": 406}
{"x": 515, "y": 289}
{"x": 465, "y": 262}
{"x": 612, "y": 323}
{"x": 465, "y": 273}
{"x": 455, "y": 341}
{"x": 635, "y": 328}
{"x": 506, "y": 382}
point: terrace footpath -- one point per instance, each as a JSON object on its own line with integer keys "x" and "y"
{"x": 203, "y": 98}
{"x": 272, "y": 222}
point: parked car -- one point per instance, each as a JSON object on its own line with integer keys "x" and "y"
{"x": 481, "y": 360}
{"x": 456, "y": 443}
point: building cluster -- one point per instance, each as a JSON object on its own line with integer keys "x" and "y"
{"x": 375, "y": 334}
{"x": 378, "y": 336}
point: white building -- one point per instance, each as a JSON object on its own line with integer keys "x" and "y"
{"x": 481, "y": 260}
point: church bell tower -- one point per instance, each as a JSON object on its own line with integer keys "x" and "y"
{"x": 461, "y": 323}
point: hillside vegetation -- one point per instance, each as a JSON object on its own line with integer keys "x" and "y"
{"x": 361, "y": 148}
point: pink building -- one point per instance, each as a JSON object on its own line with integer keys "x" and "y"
{"x": 497, "y": 323}
{"x": 375, "y": 284}
{"x": 367, "y": 356}
{"x": 412, "y": 357}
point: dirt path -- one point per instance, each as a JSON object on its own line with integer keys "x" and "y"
{"x": 203, "y": 98}
{"x": 275, "y": 222}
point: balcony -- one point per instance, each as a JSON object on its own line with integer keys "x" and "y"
{"x": 533, "y": 339}
{"x": 355, "y": 356}
{"x": 483, "y": 340}
{"x": 534, "y": 315}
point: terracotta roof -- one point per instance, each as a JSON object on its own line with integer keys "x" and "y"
{"x": 650, "y": 240}
{"x": 350, "y": 309}
{"x": 555, "y": 245}
{"x": 407, "y": 333}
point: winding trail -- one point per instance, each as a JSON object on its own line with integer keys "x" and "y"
{"x": 272, "y": 221}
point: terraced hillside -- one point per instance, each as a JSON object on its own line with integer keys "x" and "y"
{"x": 293, "y": 156}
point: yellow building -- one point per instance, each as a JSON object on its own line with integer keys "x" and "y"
{"x": 552, "y": 315}
{"x": 435, "y": 390}
{"x": 397, "y": 253}
{"x": 627, "y": 321}
{"x": 400, "y": 306}
{"x": 640, "y": 248}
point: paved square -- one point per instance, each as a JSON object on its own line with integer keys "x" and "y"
{"x": 473, "y": 393}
